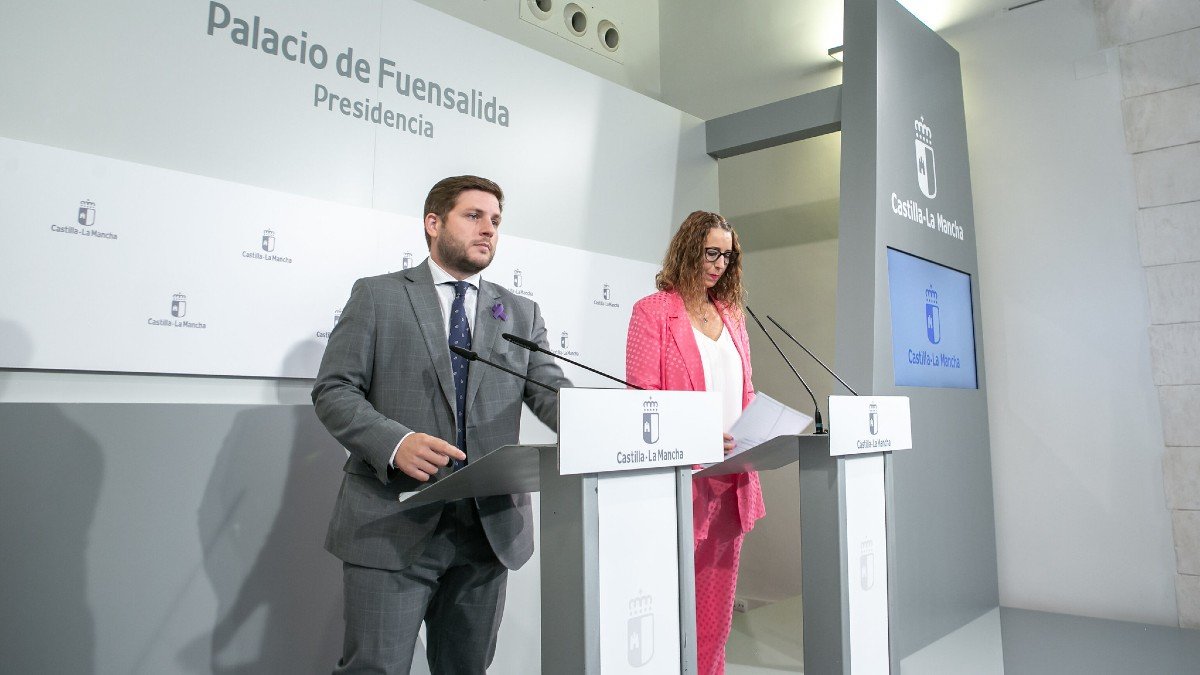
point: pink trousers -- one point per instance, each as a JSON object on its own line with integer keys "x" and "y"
{"x": 716, "y": 559}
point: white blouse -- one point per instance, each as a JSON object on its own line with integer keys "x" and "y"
{"x": 722, "y": 372}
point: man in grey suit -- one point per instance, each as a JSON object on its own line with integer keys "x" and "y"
{"x": 408, "y": 410}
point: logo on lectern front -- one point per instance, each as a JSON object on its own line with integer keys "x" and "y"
{"x": 866, "y": 564}
{"x": 933, "y": 316}
{"x": 926, "y": 168}
{"x": 641, "y": 630}
{"x": 650, "y": 426}
{"x": 87, "y": 213}
{"x": 873, "y": 419}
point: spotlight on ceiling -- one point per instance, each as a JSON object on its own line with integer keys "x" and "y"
{"x": 835, "y": 53}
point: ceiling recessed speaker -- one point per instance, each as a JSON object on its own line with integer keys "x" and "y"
{"x": 609, "y": 36}
{"x": 576, "y": 19}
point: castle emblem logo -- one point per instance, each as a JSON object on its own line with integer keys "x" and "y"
{"x": 926, "y": 166}
{"x": 933, "y": 316}
{"x": 873, "y": 419}
{"x": 179, "y": 305}
{"x": 406, "y": 262}
{"x": 268, "y": 241}
{"x": 87, "y": 213}
{"x": 607, "y": 292}
{"x": 866, "y": 565}
{"x": 337, "y": 316}
{"x": 650, "y": 422}
{"x": 518, "y": 279}
{"x": 640, "y": 633}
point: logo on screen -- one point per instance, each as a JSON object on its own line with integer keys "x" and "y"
{"x": 866, "y": 565}
{"x": 933, "y": 316}
{"x": 518, "y": 278}
{"x": 87, "y": 213}
{"x": 926, "y": 167}
{"x": 268, "y": 241}
{"x": 406, "y": 261}
{"x": 650, "y": 425}
{"x": 641, "y": 630}
{"x": 178, "y": 305}
{"x": 873, "y": 419}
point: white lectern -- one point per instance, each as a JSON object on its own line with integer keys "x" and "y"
{"x": 616, "y": 525}
{"x": 843, "y": 527}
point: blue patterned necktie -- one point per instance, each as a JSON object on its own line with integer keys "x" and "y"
{"x": 460, "y": 336}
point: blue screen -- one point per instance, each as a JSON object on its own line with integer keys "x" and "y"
{"x": 933, "y": 331}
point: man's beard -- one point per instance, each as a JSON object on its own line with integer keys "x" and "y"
{"x": 454, "y": 254}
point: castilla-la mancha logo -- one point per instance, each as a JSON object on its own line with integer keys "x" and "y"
{"x": 640, "y": 634}
{"x": 518, "y": 278}
{"x": 607, "y": 292}
{"x": 406, "y": 260}
{"x": 866, "y": 564}
{"x": 87, "y": 213}
{"x": 179, "y": 305}
{"x": 926, "y": 167}
{"x": 268, "y": 241}
{"x": 650, "y": 424}
{"x": 564, "y": 340}
{"x": 873, "y": 419}
{"x": 933, "y": 316}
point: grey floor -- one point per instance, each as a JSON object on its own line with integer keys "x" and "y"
{"x": 1005, "y": 641}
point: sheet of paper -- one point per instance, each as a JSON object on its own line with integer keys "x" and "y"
{"x": 764, "y": 419}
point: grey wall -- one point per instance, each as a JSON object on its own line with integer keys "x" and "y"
{"x": 1076, "y": 438}
{"x": 166, "y": 538}
{"x": 1160, "y": 77}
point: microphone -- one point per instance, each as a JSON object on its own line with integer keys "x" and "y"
{"x": 472, "y": 356}
{"x": 814, "y": 356}
{"x": 820, "y": 426}
{"x": 535, "y": 347}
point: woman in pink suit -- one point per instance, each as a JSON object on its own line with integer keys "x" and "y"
{"x": 691, "y": 336}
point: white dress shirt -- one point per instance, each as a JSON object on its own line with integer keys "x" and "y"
{"x": 722, "y": 372}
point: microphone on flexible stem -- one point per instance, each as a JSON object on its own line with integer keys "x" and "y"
{"x": 535, "y": 347}
{"x": 814, "y": 356}
{"x": 820, "y": 426}
{"x": 472, "y": 356}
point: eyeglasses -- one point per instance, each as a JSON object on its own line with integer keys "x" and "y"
{"x": 711, "y": 255}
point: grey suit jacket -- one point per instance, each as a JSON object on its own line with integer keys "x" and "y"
{"x": 386, "y": 371}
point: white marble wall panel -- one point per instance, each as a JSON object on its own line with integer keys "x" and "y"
{"x": 1168, "y": 176}
{"x": 1174, "y": 293}
{"x": 1122, "y": 21}
{"x": 1187, "y": 596}
{"x": 1162, "y": 119}
{"x": 1179, "y": 404}
{"x": 1175, "y": 353}
{"x": 1169, "y": 234}
{"x": 1162, "y": 63}
{"x": 1181, "y": 475}
{"x": 1187, "y": 540}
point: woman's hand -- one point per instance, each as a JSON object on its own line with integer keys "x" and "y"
{"x": 729, "y": 443}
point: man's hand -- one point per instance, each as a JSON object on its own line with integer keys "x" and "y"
{"x": 729, "y": 443}
{"x": 421, "y": 455}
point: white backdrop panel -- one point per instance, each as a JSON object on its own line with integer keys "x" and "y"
{"x": 115, "y": 266}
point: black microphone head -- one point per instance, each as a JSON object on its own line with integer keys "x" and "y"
{"x": 521, "y": 342}
{"x": 465, "y": 353}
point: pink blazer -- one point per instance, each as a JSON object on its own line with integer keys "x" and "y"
{"x": 661, "y": 353}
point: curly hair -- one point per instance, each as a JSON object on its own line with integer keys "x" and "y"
{"x": 683, "y": 265}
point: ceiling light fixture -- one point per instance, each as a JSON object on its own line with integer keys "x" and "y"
{"x": 835, "y": 53}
